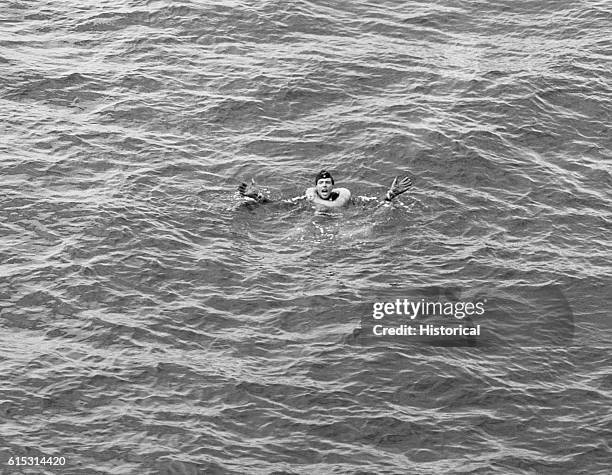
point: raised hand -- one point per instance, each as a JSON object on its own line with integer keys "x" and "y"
{"x": 251, "y": 191}
{"x": 400, "y": 184}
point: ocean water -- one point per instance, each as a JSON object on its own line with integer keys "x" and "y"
{"x": 153, "y": 321}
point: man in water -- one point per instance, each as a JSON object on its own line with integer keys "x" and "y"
{"x": 324, "y": 194}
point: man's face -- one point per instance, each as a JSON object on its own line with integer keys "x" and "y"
{"x": 324, "y": 187}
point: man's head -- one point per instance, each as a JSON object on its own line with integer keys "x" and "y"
{"x": 324, "y": 184}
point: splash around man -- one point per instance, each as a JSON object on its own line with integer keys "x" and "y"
{"x": 324, "y": 194}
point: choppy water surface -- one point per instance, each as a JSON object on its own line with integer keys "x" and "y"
{"x": 151, "y": 323}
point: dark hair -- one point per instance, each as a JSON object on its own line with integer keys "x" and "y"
{"x": 323, "y": 174}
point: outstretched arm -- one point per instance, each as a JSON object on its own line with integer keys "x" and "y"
{"x": 253, "y": 191}
{"x": 400, "y": 185}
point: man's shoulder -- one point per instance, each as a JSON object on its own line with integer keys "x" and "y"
{"x": 343, "y": 196}
{"x": 343, "y": 192}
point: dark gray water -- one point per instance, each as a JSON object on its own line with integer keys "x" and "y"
{"x": 152, "y": 323}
